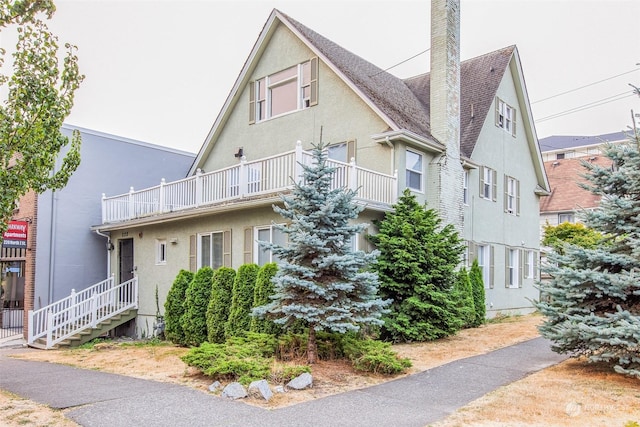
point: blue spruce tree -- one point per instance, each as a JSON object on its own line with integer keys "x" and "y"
{"x": 592, "y": 302}
{"x": 320, "y": 279}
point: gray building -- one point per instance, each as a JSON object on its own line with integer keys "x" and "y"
{"x": 69, "y": 255}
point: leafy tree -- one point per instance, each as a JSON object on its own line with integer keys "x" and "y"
{"x": 194, "y": 320}
{"x": 477, "y": 286}
{"x": 261, "y": 295}
{"x": 218, "y": 308}
{"x": 174, "y": 307}
{"x": 417, "y": 263}
{"x": 464, "y": 295}
{"x": 241, "y": 300}
{"x": 577, "y": 234}
{"x": 39, "y": 97}
{"x": 320, "y": 279}
{"x": 592, "y": 302}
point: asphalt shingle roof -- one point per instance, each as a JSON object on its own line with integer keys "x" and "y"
{"x": 406, "y": 102}
{"x": 561, "y": 142}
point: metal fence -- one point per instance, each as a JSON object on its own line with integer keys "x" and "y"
{"x": 11, "y": 320}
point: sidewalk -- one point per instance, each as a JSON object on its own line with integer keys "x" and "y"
{"x": 109, "y": 400}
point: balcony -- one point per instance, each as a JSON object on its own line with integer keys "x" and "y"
{"x": 248, "y": 180}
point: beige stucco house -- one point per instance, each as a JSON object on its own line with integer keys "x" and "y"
{"x": 460, "y": 137}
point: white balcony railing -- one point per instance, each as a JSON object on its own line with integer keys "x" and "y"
{"x": 266, "y": 176}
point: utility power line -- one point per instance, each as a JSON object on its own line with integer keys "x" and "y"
{"x": 593, "y": 104}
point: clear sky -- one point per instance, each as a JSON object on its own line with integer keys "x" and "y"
{"x": 159, "y": 71}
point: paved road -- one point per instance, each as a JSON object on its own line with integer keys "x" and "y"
{"x": 99, "y": 399}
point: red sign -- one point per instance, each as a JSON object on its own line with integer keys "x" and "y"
{"x": 16, "y": 235}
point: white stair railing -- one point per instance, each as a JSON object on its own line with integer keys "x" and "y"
{"x": 82, "y": 310}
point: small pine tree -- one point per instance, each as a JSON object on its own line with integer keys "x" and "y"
{"x": 261, "y": 296}
{"x": 464, "y": 295}
{"x": 320, "y": 279}
{"x": 218, "y": 308}
{"x": 477, "y": 286}
{"x": 417, "y": 263}
{"x": 592, "y": 302}
{"x": 174, "y": 307}
{"x": 241, "y": 300}
{"x": 194, "y": 320}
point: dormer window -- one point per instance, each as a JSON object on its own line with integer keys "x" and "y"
{"x": 505, "y": 117}
{"x": 291, "y": 89}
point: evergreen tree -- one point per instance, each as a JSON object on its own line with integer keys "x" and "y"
{"x": 261, "y": 295}
{"x": 477, "y": 286}
{"x": 241, "y": 300}
{"x": 194, "y": 320}
{"x": 417, "y": 263}
{"x": 218, "y": 308}
{"x": 592, "y": 302}
{"x": 174, "y": 307}
{"x": 320, "y": 279}
{"x": 464, "y": 296}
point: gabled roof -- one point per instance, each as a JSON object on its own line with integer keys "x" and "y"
{"x": 564, "y": 176}
{"x": 402, "y": 104}
{"x": 479, "y": 81}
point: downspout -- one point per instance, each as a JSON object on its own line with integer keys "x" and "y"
{"x": 109, "y": 247}
{"x": 52, "y": 246}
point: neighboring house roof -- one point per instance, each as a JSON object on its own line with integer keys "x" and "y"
{"x": 563, "y": 142}
{"x": 564, "y": 176}
{"x": 402, "y": 104}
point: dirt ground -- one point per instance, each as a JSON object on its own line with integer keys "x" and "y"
{"x": 571, "y": 393}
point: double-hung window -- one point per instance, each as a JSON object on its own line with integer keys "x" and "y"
{"x": 291, "y": 89}
{"x": 211, "y": 250}
{"x": 268, "y": 234}
{"x": 505, "y": 117}
{"x": 488, "y": 185}
{"x": 530, "y": 264}
{"x": 513, "y": 268}
{"x": 414, "y": 170}
{"x": 485, "y": 262}
{"x": 511, "y": 195}
{"x": 465, "y": 187}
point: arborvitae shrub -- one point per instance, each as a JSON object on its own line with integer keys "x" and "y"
{"x": 477, "y": 286}
{"x": 194, "y": 320}
{"x": 218, "y": 308}
{"x": 174, "y": 307}
{"x": 263, "y": 290}
{"x": 241, "y": 300}
{"x": 464, "y": 296}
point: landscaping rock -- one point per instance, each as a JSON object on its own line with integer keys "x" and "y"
{"x": 234, "y": 391}
{"x": 301, "y": 382}
{"x": 215, "y": 386}
{"x": 279, "y": 389}
{"x": 260, "y": 389}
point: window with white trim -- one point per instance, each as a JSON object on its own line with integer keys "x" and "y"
{"x": 210, "y": 250}
{"x": 267, "y": 234}
{"x": 161, "y": 251}
{"x": 505, "y": 117}
{"x": 530, "y": 265}
{"x": 414, "y": 170}
{"x": 566, "y": 217}
{"x": 292, "y": 89}
{"x": 342, "y": 151}
{"x": 465, "y": 188}
{"x": 488, "y": 184}
{"x": 484, "y": 262}
{"x": 513, "y": 268}
{"x": 511, "y": 195}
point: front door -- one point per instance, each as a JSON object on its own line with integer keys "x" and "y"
{"x": 125, "y": 250}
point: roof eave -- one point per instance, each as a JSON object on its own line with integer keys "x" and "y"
{"x": 412, "y": 138}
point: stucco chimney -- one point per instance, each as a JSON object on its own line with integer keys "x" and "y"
{"x": 445, "y": 106}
